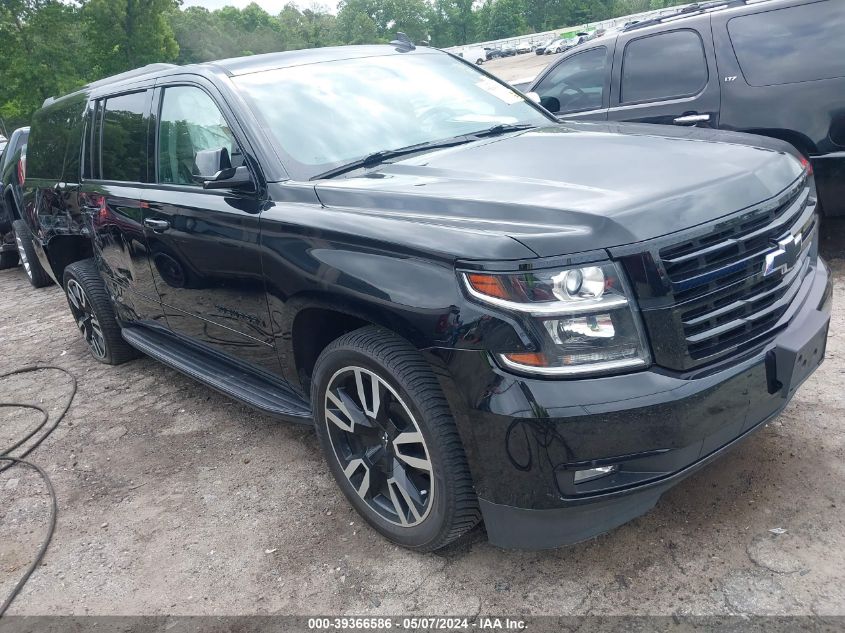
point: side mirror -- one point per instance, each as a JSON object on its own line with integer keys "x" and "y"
{"x": 231, "y": 178}
{"x": 211, "y": 161}
{"x": 533, "y": 96}
{"x": 552, "y": 104}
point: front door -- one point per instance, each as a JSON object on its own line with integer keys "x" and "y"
{"x": 578, "y": 86}
{"x": 204, "y": 244}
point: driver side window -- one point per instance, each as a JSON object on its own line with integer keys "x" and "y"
{"x": 576, "y": 84}
{"x": 190, "y": 122}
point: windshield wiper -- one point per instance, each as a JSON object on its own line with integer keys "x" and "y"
{"x": 502, "y": 128}
{"x": 377, "y": 158}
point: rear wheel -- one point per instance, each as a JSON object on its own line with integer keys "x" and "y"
{"x": 94, "y": 315}
{"x": 390, "y": 440}
{"x": 26, "y": 251}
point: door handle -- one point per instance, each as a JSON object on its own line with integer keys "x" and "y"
{"x": 692, "y": 119}
{"x": 159, "y": 226}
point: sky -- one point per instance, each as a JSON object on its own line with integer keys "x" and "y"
{"x": 273, "y": 7}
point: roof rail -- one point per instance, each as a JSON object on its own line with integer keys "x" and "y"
{"x": 688, "y": 11}
{"x": 131, "y": 74}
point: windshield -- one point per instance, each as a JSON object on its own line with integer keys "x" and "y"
{"x": 325, "y": 115}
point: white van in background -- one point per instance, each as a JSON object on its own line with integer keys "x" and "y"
{"x": 475, "y": 54}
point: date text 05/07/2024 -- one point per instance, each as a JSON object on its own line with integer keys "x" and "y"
{"x": 415, "y": 623}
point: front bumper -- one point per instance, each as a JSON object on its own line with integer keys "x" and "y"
{"x": 525, "y": 438}
{"x": 830, "y": 182}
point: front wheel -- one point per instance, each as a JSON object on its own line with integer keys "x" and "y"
{"x": 390, "y": 441}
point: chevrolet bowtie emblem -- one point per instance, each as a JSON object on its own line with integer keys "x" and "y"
{"x": 784, "y": 256}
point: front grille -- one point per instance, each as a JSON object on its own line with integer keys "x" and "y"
{"x": 719, "y": 301}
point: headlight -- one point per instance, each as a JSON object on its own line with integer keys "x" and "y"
{"x": 581, "y": 315}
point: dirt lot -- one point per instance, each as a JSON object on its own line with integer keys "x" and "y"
{"x": 176, "y": 500}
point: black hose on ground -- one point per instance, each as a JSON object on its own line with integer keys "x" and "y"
{"x": 19, "y": 461}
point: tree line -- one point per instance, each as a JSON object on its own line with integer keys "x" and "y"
{"x": 51, "y": 47}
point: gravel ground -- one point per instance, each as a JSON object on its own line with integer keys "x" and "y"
{"x": 175, "y": 500}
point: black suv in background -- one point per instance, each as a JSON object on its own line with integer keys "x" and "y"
{"x": 371, "y": 240}
{"x": 775, "y": 68}
{"x": 13, "y": 249}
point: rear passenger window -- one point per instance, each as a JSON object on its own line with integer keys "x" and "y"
{"x": 664, "y": 66}
{"x": 124, "y": 138}
{"x": 802, "y": 43}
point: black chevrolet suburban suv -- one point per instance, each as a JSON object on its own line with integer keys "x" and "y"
{"x": 771, "y": 67}
{"x": 370, "y": 240}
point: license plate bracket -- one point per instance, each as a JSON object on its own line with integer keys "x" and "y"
{"x": 798, "y": 352}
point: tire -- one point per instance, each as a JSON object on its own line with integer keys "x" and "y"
{"x": 8, "y": 259}
{"x": 478, "y": 62}
{"x": 31, "y": 265}
{"x": 94, "y": 315}
{"x": 380, "y": 461}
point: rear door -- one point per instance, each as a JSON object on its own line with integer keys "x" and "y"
{"x": 578, "y": 86}
{"x": 114, "y": 167}
{"x": 667, "y": 76}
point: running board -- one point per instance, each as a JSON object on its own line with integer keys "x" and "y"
{"x": 228, "y": 377}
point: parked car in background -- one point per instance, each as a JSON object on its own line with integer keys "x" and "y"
{"x": 9, "y": 157}
{"x": 553, "y": 47}
{"x": 473, "y": 329}
{"x": 508, "y": 50}
{"x": 775, "y": 68}
{"x": 474, "y": 54}
{"x": 541, "y": 48}
{"x": 493, "y": 53}
{"x": 522, "y": 48}
{"x": 562, "y": 44}
{"x": 15, "y": 247}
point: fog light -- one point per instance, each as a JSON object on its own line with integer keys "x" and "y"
{"x": 593, "y": 473}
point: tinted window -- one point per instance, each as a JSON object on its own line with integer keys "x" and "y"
{"x": 663, "y": 66}
{"x": 76, "y": 121}
{"x": 89, "y": 145}
{"x": 190, "y": 122}
{"x": 800, "y": 43}
{"x": 576, "y": 83}
{"x": 51, "y": 128}
{"x": 124, "y": 138}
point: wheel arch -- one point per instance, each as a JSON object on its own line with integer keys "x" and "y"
{"x": 312, "y": 322}
{"x": 64, "y": 250}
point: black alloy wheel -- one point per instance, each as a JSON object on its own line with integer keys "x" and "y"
{"x": 390, "y": 441}
{"x": 379, "y": 445}
{"x": 86, "y": 320}
{"x": 93, "y": 313}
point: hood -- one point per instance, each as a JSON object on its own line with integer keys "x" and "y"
{"x": 575, "y": 187}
